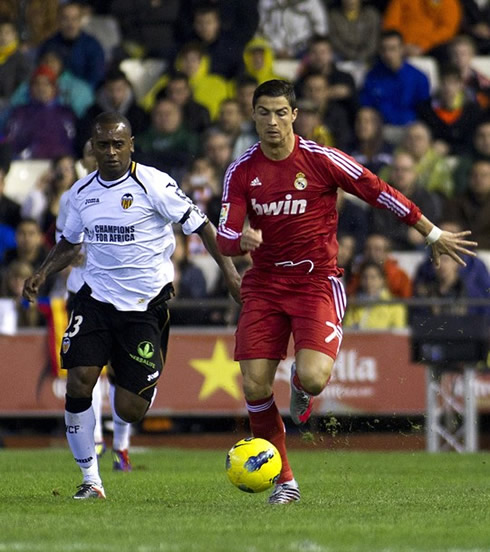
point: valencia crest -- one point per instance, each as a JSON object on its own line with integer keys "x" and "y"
{"x": 126, "y": 201}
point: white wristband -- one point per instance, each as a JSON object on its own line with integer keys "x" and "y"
{"x": 433, "y": 235}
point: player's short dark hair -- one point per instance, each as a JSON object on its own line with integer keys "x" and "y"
{"x": 319, "y": 39}
{"x": 275, "y": 88}
{"x": 115, "y": 74}
{"x": 391, "y": 33}
{"x": 111, "y": 118}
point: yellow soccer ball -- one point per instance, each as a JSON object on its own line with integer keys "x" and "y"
{"x": 253, "y": 465}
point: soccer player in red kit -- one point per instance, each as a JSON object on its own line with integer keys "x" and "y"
{"x": 287, "y": 186}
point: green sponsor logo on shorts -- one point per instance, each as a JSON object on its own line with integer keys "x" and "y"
{"x": 146, "y": 349}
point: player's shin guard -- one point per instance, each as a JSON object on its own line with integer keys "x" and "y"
{"x": 80, "y": 424}
{"x": 266, "y": 422}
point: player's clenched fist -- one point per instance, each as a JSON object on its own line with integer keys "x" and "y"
{"x": 31, "y": 287}
{"x": 251, "y": 239}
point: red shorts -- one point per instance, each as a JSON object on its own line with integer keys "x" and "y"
{"x": 274, "y": 307}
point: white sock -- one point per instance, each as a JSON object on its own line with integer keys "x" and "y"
{"x": 80, "y": 436}
{"x": 97, "y": 406}
{"x": 122, "y": 430}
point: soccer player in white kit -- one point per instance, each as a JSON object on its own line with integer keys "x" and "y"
{"x": 123, "y": 214}
{"x": 75, "y": 281}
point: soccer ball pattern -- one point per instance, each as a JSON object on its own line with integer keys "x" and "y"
{"x": 253, "y": 465}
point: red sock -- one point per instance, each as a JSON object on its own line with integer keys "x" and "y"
{"x": 266, "y": 422}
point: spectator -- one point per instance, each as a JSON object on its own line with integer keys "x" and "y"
{"x": 450, "y": 116}
{"x": 9, "y": 209}
{"x": 208, "y": 89}
{"x": 480, "y": 151}
{"x": 377, "y": 249}
{"x": 288, "y": 25}
{"x": 372, "y": 315}
{"x": 258, "y": 59}
{"x": 403, "y": 177}
{"x": 370, "y": 148}
{"x": 201, "y": 184}
{"x": 30, "y": 249}
{"x": 167, "y": 144}
{"x": 476, "y": 23}
{"x": 11, "y": 285}
{"x": 115, "y": 94}
{"x": 245, "y": 87}
{"x": 14, "y": 65}
{"x": 320, "y": 58}
{"x": 433, "y": 171}
{"x": 218, "y": 150}
{"x": 426, "y": 26}
{"x": 477, "y": 86}
{"x": 82, "y": 53}
{"x": 196, "y": 116}
{"x": 354, "y": 31}
{"x": 230, "y": 121}
{"x": 239, "y": 17}
{"x": 393, "y": 86}
{"x": 223, "y": 48}
{"x": 471, "y": 280}
{"x": 447, "y": 283}
{"x": 105, "y": 28}
{"x": 42, "y": 203}
{"x": 472, "y": 208}
{"x": 72, "y": 91}
{"x": 346, "y": 255}
{"x": 333, "y": 116}
{"x": 40, "y": 21}
{"x": 309, "y": 125}
{"x": 41, "y": 129}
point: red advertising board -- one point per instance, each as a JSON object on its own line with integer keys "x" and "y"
{"x": 373, "y": 375}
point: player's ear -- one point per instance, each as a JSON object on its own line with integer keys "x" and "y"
{"x": 295, "y": 114}
{"x": 132, "y": 144}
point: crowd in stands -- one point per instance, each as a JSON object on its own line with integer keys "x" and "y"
{"x": 358, "y": 70}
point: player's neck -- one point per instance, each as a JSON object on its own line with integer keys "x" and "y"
{"x": 278, "y": 152}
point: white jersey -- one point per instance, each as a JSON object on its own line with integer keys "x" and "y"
{"x": 75, "y": 278}
{"x": 126, "y": 225}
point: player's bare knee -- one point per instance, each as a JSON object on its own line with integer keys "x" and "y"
{"x": 254, "y": 389}
{"x": 80, "y": 383}
{"x": 315, "y": 379}
{"x": 131, "y": 413}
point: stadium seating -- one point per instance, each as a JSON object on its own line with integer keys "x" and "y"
{"x": 427, "y": 65}
{"x": 22, "y": 176}
{"x": 482, "y": 65}
{"x": 142, "y": 73}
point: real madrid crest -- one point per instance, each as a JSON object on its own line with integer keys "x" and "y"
{"x": 126, "y": 201}
{"x": 300, "y": 182}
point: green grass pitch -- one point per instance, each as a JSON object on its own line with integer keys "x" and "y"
{"x": 181, "y": 501}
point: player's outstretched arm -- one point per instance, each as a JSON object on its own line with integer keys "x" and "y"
{"x": 230, "y": 273}
{"x": 446, "y": 243}
{"x": 62, "y": 254}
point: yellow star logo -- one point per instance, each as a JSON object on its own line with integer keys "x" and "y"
{"x": 219, "y": 372}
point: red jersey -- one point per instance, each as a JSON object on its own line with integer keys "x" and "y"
{"x": 293, "y": 202}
